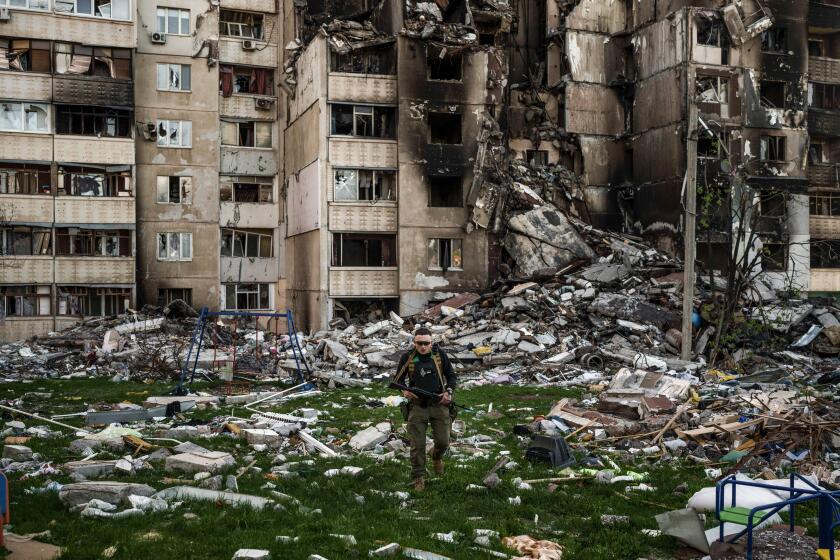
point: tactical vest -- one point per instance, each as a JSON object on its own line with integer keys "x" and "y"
{"x": 410, "y": 366}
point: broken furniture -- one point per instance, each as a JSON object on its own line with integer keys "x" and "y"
{"x": 191, "y": 359}
{"x": 828, "y": 517}
{"x": 552, "y": 450}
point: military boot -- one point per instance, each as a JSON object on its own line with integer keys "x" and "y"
{"x": 419, "y": 484}
{"x": 438, "y": 465}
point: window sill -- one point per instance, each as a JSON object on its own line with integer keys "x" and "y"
{"x": 364, "y": 75}
{"x": 29, "y": 132}
{"x": 452, "y": 268}
{"x": 28, "y": 73}
{"x": 176, "y": 147}
{"x": 362, "y": 268}
{"x": 243, "y": 38}
{"x": 93, "y": 17}
{"x": 77, "y": 256}
{"x": 174, "y": 90}
{"x": 245, "y": 147}
{"x": 365, "y": 203}
{"x": 362, "y": 138}
{"x": 94, "y": 137}
{"x": 94, "y": 197}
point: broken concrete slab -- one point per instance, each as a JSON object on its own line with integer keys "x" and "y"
{"x": 212, "y": 461}
{"x": 115, "y": 493}
{"x": 544, "y": 238}
{"x": 89, "y": 469}
{"x": 190, "y": 493}
{"x": 17, "y": 453}
{"x": 371, "y": 437}
{"x": 251, "y": 554}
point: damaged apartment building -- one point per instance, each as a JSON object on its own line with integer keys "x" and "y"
{"x": 209, "y": 211}
{"x": 343, "y": 157}
{"x": 67, "y": 168}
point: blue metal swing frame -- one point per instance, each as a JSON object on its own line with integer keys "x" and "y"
{"x": 829, "y": 509}
{"x": 191, "y": 360}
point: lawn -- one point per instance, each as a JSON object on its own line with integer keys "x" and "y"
{"x": 362, "y": 506}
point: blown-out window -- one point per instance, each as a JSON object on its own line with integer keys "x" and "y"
{"x": 25, "y": 240}
{"x": 25, "y": 301}
{"x": 246, "y": 189}
{"x": 24, "y": 117}
{"x": 240, "y": 24}
{"x": 173, "y": 77}
{"x": 17, "y": 178}
{"x": 247, "y": 243}
{"x": 249, "y": 134}
{"x": 364, "y": 250}
{"x": 174, "y": 246}
{"x": 174, "y": 134}
{"x": 23, "y": 55}
{"x": 174, "y": 190}
{"x": 84, "y": 120}
{"x": 352, "y": 185}
{"x": 247, "y": 296}
{"x": 445, "y": 254}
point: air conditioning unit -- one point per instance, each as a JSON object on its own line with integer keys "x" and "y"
{"x": 262, "y": 103}
{"x": 158, "y": 37}
{"x": 248, "y": 45}
{"x": 5, "y": 14}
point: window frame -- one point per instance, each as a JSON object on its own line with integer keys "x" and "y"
{"x": 238, "y": 289}
{"x": 434, "y": 245}
{"x": 169, "y": 66}
{"x": 9, "y": 182}
{"x": 181, "y": 245}
{"x": 22, "y": 117}
{"x": 46, "y": 3}
{"x": 8, "y": 238}
{"x": 771, "y": 139}
{"x": 253, "y": 15}
{"x": 374, "y": 175}
{"x": 181, "y": 134}
{"x": 96, "y": 241}
{"x": 234, "y": 233}
{"x": 375, "y": 125}
{"x": 92, "y": 13}
{"x": 165, "y": 30}
{"x": 184, "y": 189}
{"x": 165, "y": 296}
{"x": 36, "y": 292}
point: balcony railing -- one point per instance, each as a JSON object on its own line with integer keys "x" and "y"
{"x": 824, "y": 174}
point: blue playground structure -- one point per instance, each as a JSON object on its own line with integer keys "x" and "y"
{"x": 191, "y": 360}
{"x": 829, "y": 510}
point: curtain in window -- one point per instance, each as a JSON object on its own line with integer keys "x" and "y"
{"x": 226, "y": 74}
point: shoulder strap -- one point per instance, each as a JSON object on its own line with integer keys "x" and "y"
{"x": 439, "y": 367}
{"x": 409, "y": 364}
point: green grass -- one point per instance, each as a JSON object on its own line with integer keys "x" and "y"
{"x": 570, "y": 516}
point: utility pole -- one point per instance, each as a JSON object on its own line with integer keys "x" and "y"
{"x": 690, "y": 205}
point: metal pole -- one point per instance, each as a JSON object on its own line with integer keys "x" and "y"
{"x": 690, "y": 204}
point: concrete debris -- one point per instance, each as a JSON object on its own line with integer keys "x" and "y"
{"x": 115, "y": 493}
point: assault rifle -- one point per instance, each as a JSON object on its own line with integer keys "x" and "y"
{"x": 434, "y": 397}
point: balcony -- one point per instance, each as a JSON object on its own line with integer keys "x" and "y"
{"x": 379, "y": 217}
{"x": 362, "y": 88}
{"x": 71, "y": 28}
{"x": 249, "y": 215}
{"x": 94, "y": 210}
{"x": 364, "y": 282}
{"x": 26, "y": 85}
{"x": 24, "y": 269}
{"x": 824, "y": 15}
{"x": 245, "y": 106}
{"x": 29, "y": 208}
{"x": 248, "y": 161}
{"x": 824, "y": 227}
{"x": 91, "y": 90}
{"x": 823, "y": 122}
{"x": 265, "y": 6}
{"x": 27, "y": 146}
{"x": 824, "y": 175}
{"x": 89, "y": 149}
{"x": 825, "y": 70}
{"x": 363, "y": 152}
{"x": 94, "y": 270}
{"x": 248, "y": 269}
{"x": 231, "y": 52}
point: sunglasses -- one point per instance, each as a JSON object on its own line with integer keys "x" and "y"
{"x": 422, "y": 342}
